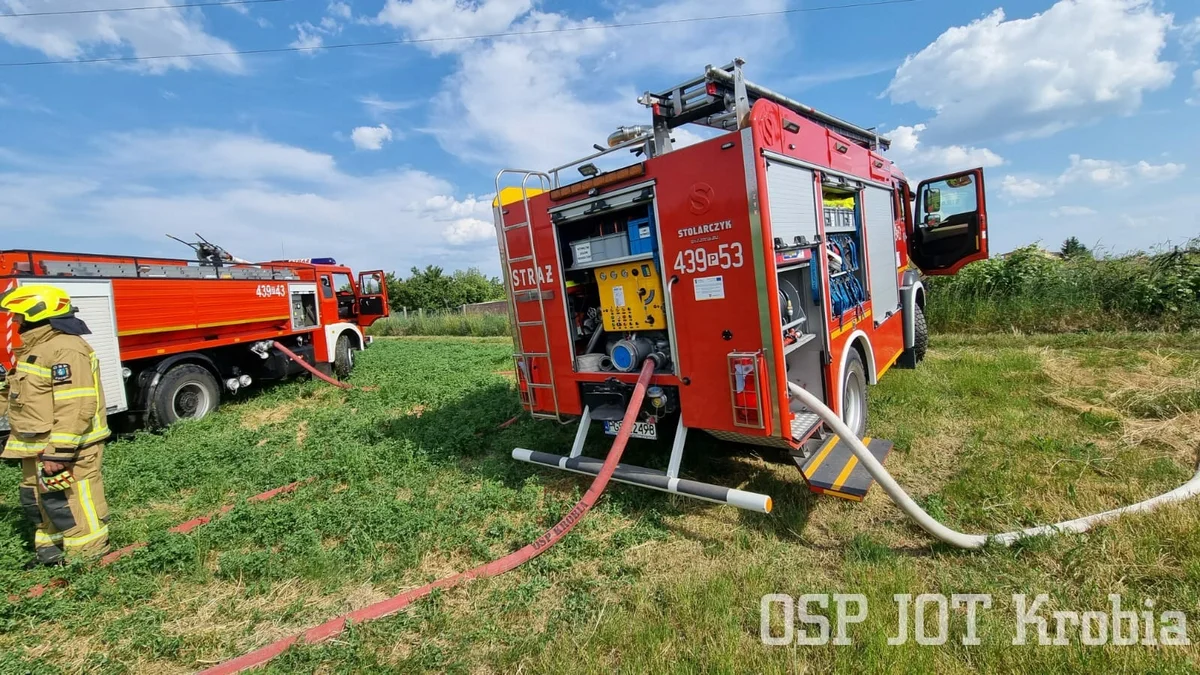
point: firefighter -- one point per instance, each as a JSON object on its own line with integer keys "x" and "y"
{"x": 55, "y": 408}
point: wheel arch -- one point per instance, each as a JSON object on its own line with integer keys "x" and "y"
{"x": 335, "y": 330}
{"x": 912, "y": 296}
{"x": 859, "y": 342}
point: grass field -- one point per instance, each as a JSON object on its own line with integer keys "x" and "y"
{"x": 412, "y": 482}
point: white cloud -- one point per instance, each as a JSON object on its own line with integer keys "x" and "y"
{"x": 379, "y": 108}
{"x": 169, "y": 30}
{"x": 271, "y": 198}
{"x": 1110, "y": 173}
{"x": 340, "y": 10}
{"x": 214, "y": 155}
{"x": 1195, "y": 85}
{"x": 1075, "y": 62}
{"x": 537, "y": 101}
{"x": 1026, "y": 188}
{"x": 1189, "y": 35}
{"x": 425, "y": 19}
{"x": 918, "y": 159}
{"x": 1105, "y": 173}
{"x": 469, "y": 230}
{"x": 1073, "y": 211}
{"x": 371, "y": 138}
{"x": 308, "y": 37}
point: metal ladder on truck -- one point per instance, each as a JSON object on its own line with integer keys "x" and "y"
{"x": 522, "y": 357}
{"x": 721, "y": 98}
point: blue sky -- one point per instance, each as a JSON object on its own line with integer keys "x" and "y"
{"x": 1084, "y": 112}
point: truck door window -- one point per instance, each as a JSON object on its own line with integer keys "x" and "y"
{"x": 950, "y": 228}
{"x": 326, "y": 287}
{"x": 370, "y": 284}
{"x": 940, "y": 202}
{"x": 345, "y": 295}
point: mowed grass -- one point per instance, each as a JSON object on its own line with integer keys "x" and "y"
{"x": 412, "y": 481}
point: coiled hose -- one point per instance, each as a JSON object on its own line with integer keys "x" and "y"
{"x": 973, "y": 541}
{"x": 335, "y": 626}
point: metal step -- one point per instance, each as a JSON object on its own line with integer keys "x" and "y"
{"x": 835, "y": 470}
{"x": 803, "y": 426}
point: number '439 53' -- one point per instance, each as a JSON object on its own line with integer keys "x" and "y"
{"x": 700, "y": 259}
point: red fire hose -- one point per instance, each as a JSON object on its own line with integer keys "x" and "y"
{"x": 335, "y": 626}
{"x": 309, "y": 367}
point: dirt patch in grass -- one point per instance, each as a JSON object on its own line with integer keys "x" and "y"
{"x": 257, "y": 419}
{"x": 1150, "y": 402}
{"x": 221, "y": 610}
{"x": 301, "y": 432}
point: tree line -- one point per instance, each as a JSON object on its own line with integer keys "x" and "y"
{"x": 433, "y": 289}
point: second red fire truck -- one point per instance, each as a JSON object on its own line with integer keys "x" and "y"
{"x": 175, "y": 337}
{"x": 784, "y": 248}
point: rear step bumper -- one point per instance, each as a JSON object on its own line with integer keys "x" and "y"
{"x": 834, "y": 469}
{"x": 650, "y": 478}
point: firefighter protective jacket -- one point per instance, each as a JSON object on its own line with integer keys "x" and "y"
{"x": 53, "y": 398}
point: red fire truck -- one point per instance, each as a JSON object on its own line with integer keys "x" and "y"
{"x": 175, "y": 336}
{"x": 784, "y": 248}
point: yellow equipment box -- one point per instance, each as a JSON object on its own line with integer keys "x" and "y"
{"x": 631, "y": 297}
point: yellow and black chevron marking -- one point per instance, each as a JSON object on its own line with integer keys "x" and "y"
{"x": 834, "y": 469}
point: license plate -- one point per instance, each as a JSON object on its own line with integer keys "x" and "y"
{"x": 647, "y": 430}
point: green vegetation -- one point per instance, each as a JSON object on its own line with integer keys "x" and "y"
{"x": 443, "y": 323}
{"x": 1032, "y": 292}
{"x": 412, "y": 481}
{"x": 432, "y": 289}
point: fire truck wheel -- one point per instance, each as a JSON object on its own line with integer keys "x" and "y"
{"x": 920, "y": 334}
{"x": 186, "y": 391}
{"x": 343, "y": 357}
{"x": 854, "y": 394}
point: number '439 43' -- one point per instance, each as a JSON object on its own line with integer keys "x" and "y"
{"x": 271, "y": 291}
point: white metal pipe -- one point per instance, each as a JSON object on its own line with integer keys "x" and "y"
{"x": 929, "y": 524}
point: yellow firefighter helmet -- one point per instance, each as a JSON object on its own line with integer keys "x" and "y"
{"x": 37, "y": 302}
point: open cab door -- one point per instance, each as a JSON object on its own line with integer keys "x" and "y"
{"x": 949, "y": 227}
{"x": 372, "y": 299}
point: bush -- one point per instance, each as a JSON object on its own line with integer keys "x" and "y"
{"x": 447, "y": 323}
{"x": 1030, "y": 291}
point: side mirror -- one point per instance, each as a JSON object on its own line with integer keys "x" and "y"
{"x": 933, "y": 200}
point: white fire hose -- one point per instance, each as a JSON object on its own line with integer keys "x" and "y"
{"x": 927, "y": 522}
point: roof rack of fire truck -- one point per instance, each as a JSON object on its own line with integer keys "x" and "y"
{"x": 721, "y": 98}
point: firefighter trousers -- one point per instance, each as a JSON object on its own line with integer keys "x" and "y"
{"x": 74, "y": 521}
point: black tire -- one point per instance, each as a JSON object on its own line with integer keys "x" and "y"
{"x": 854, "y": 394}
{"x": 343, "y": 357}
{"x": 185, "y": 392}
{"x": 920, "y": 334}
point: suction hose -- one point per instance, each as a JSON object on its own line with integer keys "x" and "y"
{"x": 335, "y": 626}
{"x": 974, "y": 541}
{"x": 309, "y": 367}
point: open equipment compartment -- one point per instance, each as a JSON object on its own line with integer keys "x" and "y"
{"x": 842, "y": 210}
{"x": 613, "y": 281}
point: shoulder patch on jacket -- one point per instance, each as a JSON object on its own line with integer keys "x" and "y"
{"x": 60, "y": 372}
